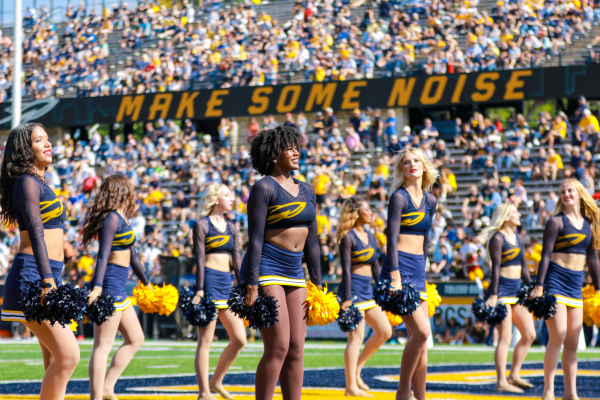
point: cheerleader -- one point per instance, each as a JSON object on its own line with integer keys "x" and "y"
{"x": 282, "y": 229}
{"x": 507, "y": 255}
{"x": 26, "y": 201}
{"x": 107, "y": 219}
{"x": 571, "y": 240}
{"x": 358, "y": 253}
{"x": 215, "y": 239}
{"x": 410, "y": 211}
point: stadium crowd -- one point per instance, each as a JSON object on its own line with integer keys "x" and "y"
{"x": 167, "y": 49}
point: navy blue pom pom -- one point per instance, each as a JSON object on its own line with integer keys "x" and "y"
{"x": 524, "y": 292}
{"x": 492, "y": 315}
{"x": 64, "y": 304}
{"x": 400, "y": 302}
{"x": 543, "y": 306}
{"x": 101, "y": 309}
{"x": 200, "y": 314}
{"x": 349, "y": 319}
{"x": 263, "y": 313}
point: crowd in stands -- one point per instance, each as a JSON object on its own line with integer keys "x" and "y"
{"x": 167, "y": 49}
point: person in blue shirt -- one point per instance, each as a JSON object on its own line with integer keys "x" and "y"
{"x": 390, "y": 123}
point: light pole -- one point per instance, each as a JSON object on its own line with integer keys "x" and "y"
{"x": 18, "y": 58}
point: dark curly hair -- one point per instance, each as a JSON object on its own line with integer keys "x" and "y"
{"x": 269, "y": 144}
{"x": 115, "y": 192}
{"x": 18, "y": 159}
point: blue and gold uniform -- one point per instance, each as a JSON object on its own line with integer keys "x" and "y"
{"x": 271, "y": 207}
{"x": 209, "y": 240}
{"x": 560, "y": 236}
{"x": 503, "y": 255}
{"x": 405, "y": 218}
{"x": 358, "y": 287}
{"x": 36, "y": 208}
{"x": 116, "y": 235}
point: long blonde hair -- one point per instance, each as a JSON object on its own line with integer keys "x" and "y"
{"x": 348, "y": 217}
{"x": 209, "y": 199}
{"x": 430, "y": 173}
{"x": 500, "y": 216}
{"x": 587, "y": 207}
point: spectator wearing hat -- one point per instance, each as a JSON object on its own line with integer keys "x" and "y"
{"x": 582, "y": 103}
{"x": 429, "y": 131}
{"x": 588, "y": 124}
{"x": 289, "y": 121}
{"x": 189, "y": 131}
{"x": 319, "y": 122}
{"x": 406, "y": 138}
{"x": 506, "y": 190}
{"x": 394, "y": 147}
{"x": 330, "y": 120}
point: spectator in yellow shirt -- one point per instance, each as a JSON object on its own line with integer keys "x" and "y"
{"x": 382, "y": 169}
{"x": 321, "y": 184}
{"x": 557, "y": 133}
{"x": 348, "y": 191}
{"x": 86, "y": 265}
{"x": 553, "y": 164}
{"x": 589, "y": 123}
{"x": 323, "y": 225}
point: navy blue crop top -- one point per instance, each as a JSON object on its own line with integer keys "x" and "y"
{"x": 124, "y": 237}
{"x": 503, "y": 254}
{"x": 352, "y": 252}
{"x": 407, "y": 219}
{"x": 560, "y": 236}
{"x": 271, "y": 207}
{"x": 116, "y": 235}
{"x": 37, "y": 208}
{"x": 209, "y": 240}
{"x": 283, "y": 213}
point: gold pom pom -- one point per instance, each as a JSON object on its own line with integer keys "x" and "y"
{"x": 167, "y": 298}
{"x": 591, "y": 306}
{"x": 74, "y": 325}
{"x": 394, "y": 319}
{"x": 145, "y": 297}
{"x": 323, "y": 306}
{"x": 433, "y": 298}
{"x": 246, "y": 323}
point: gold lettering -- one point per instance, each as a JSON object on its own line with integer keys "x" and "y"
{"x": 186, "y": 104}
{"x": 426, "y": 96}
{"x": 483, "y": 84}
{"x": 401, "y": 92}
{"x": 130, "y": 105}
{"x": 215, "y": 101}
{"x": 321, "y": 95}
{"x": 514, "y": 83}
{"x": 351, "y": 93}
{"x": 161, "y": 103}
{"x": 261, "y": 103}
{"x": 282, "y": 106}
{"x": 458, "y": 89}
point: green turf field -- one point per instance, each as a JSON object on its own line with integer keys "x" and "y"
{"x": 21, "y": 360}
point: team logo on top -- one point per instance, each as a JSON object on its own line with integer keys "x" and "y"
{"x": 510, "y": 255}
{"x": 55, "y": 212}
{"x": 412, "y": 218}
{"x": 124, "y": 239}
{"x": 362, "y": 255}
{"x": 286, "y": 211}
{"x": 216, "y": 241}
{"x": 569, "y": 240}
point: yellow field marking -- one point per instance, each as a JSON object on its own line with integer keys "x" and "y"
{"x": 478, "y": 377}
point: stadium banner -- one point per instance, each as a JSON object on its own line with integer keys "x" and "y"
{"x": 494, "y": 87}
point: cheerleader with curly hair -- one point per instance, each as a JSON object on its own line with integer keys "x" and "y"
{"x": 571, "y": 242}
{"x": 28, "y": 202}
{"x": 282, "y": 228}
{"x": 358, "y": 253}
{"x": 410, "y": 212}
{"x": 216, "y": 240}
{"x": 108, "y": 220}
